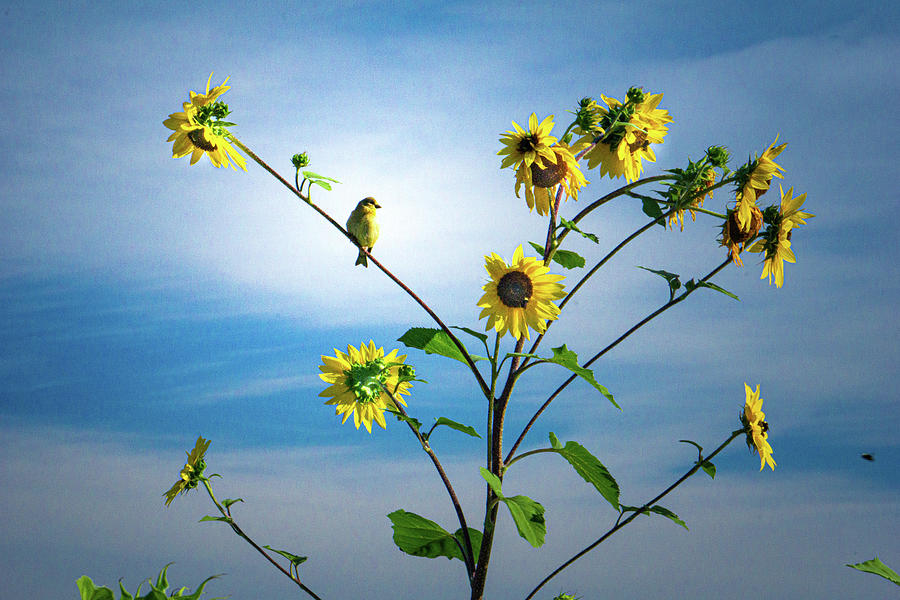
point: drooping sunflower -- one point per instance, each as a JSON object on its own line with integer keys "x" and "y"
{"x": 776, "y": 244}
{"x": 192, "y": 471}
{"x": 734, "y": 238}
{"x": 707, "y": 178}
{"x": 754, "y": 420}
{"x": 757, "y": 181}
{"x": 540, "y": 182}
{"x": 198, "y": 129}
{"x": 519, "y": 295}
{"x": 621, "y": 154}
{"x": 358, "y": 380}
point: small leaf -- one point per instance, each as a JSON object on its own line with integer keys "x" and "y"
{"x": 694, "y": 444}
{"x": 652, "y": 210}
{"x": 709, "y": 469}
{"x": 434, "y": 341}
{"x": 568, "y": 259}
{"x": 692, "y": 285}
{"x": 457, "y": 426}
{"x": 315, "y": 176}
{"x": 554, "y": 441}
{"x": 419, "y": 536}
{"x": 566, "y": 358}
{"x": 477, "y": 334}
{"x": 295, "y": 560}
{"x": 209, "y": 518}
{"x": 660, "y": 510}
{"x": 228, "y": 501}
{"x": 590, "y": 468}
{"x": 415, "y": 423}
{"x": 571, "y": 225}
{"x": 529, "y": 518}
{"x": 672, "y": 279}
{"x": 322, "y": 184}
{"x": 90, "y": 592}
{"x": 492, "y": 481}
{"x": 877, "y": 567}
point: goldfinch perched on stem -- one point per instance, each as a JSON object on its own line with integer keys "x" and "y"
{"x": 362, "y": 226}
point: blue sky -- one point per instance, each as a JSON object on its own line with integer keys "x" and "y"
{"x": 144, "y": 302}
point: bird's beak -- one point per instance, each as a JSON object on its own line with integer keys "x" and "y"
{"x": 377, "y": 205}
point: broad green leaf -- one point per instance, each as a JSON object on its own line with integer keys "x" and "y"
{"x": 468, "y": 430}
{"x": 315, "y": 176}
{"x": 529, "y": 518}
{"x": 566, "y": 358}
{"x": 228, "y": 501}
{"x": 295, "y": 560}
{"x": 492, "y": 481}
{"x": 568, "y": 259}
{"x": 322, "y": 184}
{"x": 471, "y": 332}
{"x": 91, "y": 592}
{"x": 590, "y": 468}
{"x": 571, "y": 225}
{"x": 692, "y": 285}
{"x": 652, "y": 210}
{"x": 434, "y": 341}
{"x": 209, "y": 518}
{"x": 877, "y": 567}
{"x": 660, "y": 510}
{"x": 709, "y": 469}
{"x": 419, "y": 536}
{"x": 474, "y": 537}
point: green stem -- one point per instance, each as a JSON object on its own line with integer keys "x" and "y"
{"x": 620, "y": 524}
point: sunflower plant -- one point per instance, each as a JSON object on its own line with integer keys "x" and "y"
{"x": 520, "y": 300}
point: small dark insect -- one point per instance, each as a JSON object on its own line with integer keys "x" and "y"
{"x": 867, "y": 457}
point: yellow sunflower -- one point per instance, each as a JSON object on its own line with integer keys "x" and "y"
{"x": 192, "y": 471}
{"x": 758, "y": 180}
{"x": 197, "y": 131}
{"x": 734, "y": 238}
{"x": 754, "y": 421}
{"x": 540, "y": 182}
{"x": 520, "y": 295}
{"x": 707, "y": 180}
{"x": 777, "y": 242}
{"x": 358, "y": 379}
{"x": 622, "y": 155}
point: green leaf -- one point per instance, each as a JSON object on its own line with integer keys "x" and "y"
{"x": 415, "y": 423}
{"x": 877, "y": 567}
{"x": 568, "y": 259}
{"x": 492, "y": 481}
{"x": 652, "y": 210}
{"x": 566, "y": 358}
{"x": 434, "y": 341}
{"x": 295, "y": 560}
{"x": 315, "y": 176}
{"x": 528, "y": 516}
{"x": 539, "y": 248}
{"x": 554, "y": 441}
{"x": 419, "y": 536}
{"x": 228, "y": 501}
{"x": 692, "y": 285}
{"x": 457, "y": 426}
{"x": 590, "y": 468}
{"x": 660, "y": 510}
{"x": 322, "y": 184}
{"x": 571, "y": 226}
{"x": 709, "y": 469}
{"x": 209, "y": 518}
{"x": 91, "y": 592}
{"x": 476, "y": 334}
{"x": 474, "y": 537}
{"x": 671, "y": 278}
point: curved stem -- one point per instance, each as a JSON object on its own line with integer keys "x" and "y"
{"x": 339, "y": 227}
{"x": 620, "y": 524}
{"x": 615, "y": 343}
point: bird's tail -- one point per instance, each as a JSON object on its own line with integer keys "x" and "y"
{"x": 361, "y": 259}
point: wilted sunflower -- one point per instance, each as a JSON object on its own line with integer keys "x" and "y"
{"x": 540, "y": 182}
{"x": 192, "y": 471}
{"x": 520, "y": 295}
{"x": 757, "y": 181}
{"x": 777, "y": 241}
{"x": 754, "y": 419}
{"x": 198, "y": 129}
{"x": 358, "y": 379}
{"x": 622, "y": 154}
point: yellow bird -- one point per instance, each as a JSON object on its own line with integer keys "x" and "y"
{"x": 362, "y": 226}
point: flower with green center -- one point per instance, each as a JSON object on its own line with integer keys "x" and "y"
{"x": 358, "y": 380}
{"x": 627, "y": 142}
{"x": 192, "y": 472}
{"x": 754, "y": 421}
{"x": 776, "y": 243}
{"x": 755, "y": 181}
{"x": 520, "y": 295}
{"x": 199, "y": 129}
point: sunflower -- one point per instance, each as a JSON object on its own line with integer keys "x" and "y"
{"x": 520, "y": 295}
{"x": 541, "y": 181}
{"x": 757, "y": 181}
{"x": 358, "y": 380}
{"x": 777, "y": 241}
{"x": 192, "y": 471}
{"x": 754, "y": 421}
{"x": 624, "y": 147}
{"x": 198, "y": 129}
{"x": 734, "y": 238}
{"x": 706, "y": 180}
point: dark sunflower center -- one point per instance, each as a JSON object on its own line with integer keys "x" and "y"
{"x": 527, "y": 144}
{"x": 514, "y": 289}
{"x": 198, "y": 138}
{"x": 764, "y": 427}
{"x": 549, "y": 175}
